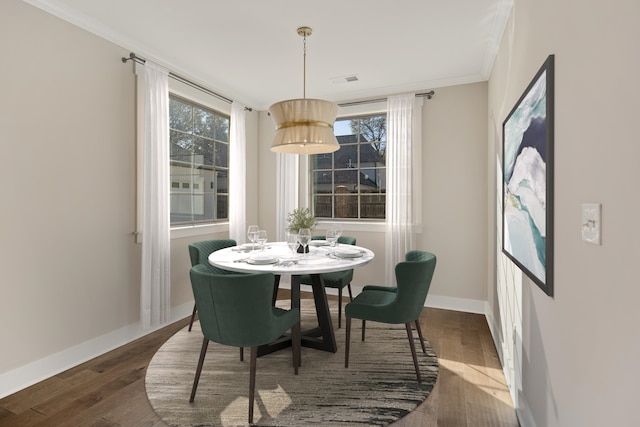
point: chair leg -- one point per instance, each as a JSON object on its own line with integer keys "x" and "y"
{"x": 339, "y": 308}
{"x": 424, "y": 350}
{"x": 252, "y": 381}
{"x": 193, "y": 317}
{"x": 413, "y": 351}
{"x": 340, "y": 303}
{"x": 203, "y": 352}
{"x": 241, "y": 354}
{"x": 364, "y": 325}
{"x": 346, "y": 347}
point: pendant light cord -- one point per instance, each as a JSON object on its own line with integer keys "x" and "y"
{"x": 304, "y": 32}
{"x": 304, "y": 67}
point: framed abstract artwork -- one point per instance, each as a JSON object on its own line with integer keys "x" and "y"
{"x": 527, "y": 167}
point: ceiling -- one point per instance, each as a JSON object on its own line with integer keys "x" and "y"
{"x": 249, "y": 50}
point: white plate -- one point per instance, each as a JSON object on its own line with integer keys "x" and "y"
{"x": 262, "y": 259}
{"x": 347, "y": 253}
{"x": 319, "y": 243}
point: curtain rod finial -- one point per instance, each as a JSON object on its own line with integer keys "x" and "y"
{"x": 132, "y": 56}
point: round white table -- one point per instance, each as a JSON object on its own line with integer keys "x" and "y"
{"x": 320, "y": 259}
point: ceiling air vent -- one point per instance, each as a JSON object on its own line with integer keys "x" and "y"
{"x": 345, "y": 79}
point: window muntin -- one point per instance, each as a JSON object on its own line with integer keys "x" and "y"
{"x": 351, "y": 182}
{"x": 199, "y": 163}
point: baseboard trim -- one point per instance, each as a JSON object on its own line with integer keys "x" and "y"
{"x": 494, "y": 329}
{"x": 433, "y": 301}
{"x": 34, "y": 372}
{"x": 523, "y": 412}
{"x": 456, "y": 304}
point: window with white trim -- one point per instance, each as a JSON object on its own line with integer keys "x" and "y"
{"x": 199, "y": 162}
{"x": 351, "y": 182}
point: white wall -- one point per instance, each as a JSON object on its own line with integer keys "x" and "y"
{"x": 581, "y": 347}
{"x": 69, "y": 263}
{"x": 454, "y": 190}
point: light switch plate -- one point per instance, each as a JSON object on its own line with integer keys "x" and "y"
{"x": 591, "y": 222}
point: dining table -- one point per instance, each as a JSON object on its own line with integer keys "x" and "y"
{"x": 278, "y": 258}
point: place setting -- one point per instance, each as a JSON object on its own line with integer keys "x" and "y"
{"x": 259, "y": 253}
{"x": 258, "y": 239}
{"x": 334, "y": 248}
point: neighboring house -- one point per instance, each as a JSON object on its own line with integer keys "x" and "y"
{"x": 193, "y": 180}
{"x": 344, "y": 181}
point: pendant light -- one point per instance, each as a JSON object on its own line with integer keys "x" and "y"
{"x": 304, "y": 126}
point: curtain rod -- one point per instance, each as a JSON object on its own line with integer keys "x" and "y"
{"x": 135, "y": 58}
{"x": 427, "y": 95}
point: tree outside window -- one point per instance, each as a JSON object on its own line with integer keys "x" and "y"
{"x": 199, "y": 163}
{"x": 351, "y": 182}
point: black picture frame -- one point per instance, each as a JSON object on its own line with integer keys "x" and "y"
{"x": 527, "y": 171}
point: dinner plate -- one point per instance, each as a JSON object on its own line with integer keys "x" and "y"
{"x": 262, "y": 260}
{"x": 319, "y": 243}
{"x": 347, "y": 253}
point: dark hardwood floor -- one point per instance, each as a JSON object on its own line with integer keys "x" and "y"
{"x": 109, "y": 390}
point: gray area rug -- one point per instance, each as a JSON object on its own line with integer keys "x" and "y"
{"x": 378, "y": 388}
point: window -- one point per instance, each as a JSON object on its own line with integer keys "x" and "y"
{"x": 199, "y": 161}
{"x": 351, "y": 182}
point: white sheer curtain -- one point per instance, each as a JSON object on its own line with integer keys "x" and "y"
{"x": 403, "y": 151}
{"x": 238, "y": 182}
{"x": 155, "y": 293}
{"x": 287, "y": 186}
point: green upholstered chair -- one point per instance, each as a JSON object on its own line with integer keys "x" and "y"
{"x": 236, "y": 310}
{"x": 336, "y": 279}
{"x": 199, "y": 253}
{"x": 396, "y": 305}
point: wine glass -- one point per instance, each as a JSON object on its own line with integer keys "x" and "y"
{"x": 292, "y": 242}
{"x": 304, "y": 236}
{"x": 252, "y": 233}
{"x": 261, "y": 238}
{"x": 331, "y": 237}
{"x": 337, "y": 231}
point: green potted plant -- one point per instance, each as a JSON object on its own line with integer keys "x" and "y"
{"x": 300, "y": 218}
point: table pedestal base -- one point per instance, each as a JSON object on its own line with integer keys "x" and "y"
{"x": 320, "y": 337}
